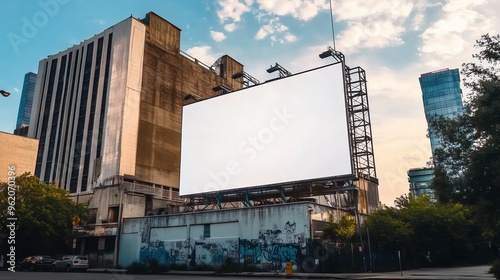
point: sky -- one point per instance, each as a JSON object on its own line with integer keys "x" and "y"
{"x": 394, "y": 41}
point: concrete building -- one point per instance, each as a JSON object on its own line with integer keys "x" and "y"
{"x": 108, "y": 117}
{"x": 17, "y": 152}
{"x": 24, "y": 112}
{"x": 420, "y": 180}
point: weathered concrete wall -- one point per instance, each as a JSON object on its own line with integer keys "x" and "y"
{"x": 168, "y": 76}
{"x": 264, "y": 236}
{"x": 19, "y": 152}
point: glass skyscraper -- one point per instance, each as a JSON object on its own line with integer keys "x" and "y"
{"x": 442, "y": 95}
{"x": 420, "y": 180}
{"x": 24, "y": 113}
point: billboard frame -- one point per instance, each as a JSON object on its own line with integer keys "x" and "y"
{"x": 360, "y": 145}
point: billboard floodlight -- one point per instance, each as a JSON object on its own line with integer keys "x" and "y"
{"x": 4, "y": 93}
{"x": 224, "y": 89}
{"x": 192, "y": 96}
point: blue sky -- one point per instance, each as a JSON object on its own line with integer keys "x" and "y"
{"x": 393, "y": 40}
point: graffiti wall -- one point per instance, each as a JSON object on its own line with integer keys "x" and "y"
{"x": 168, "y": 252}
{"x": 274, "y": 247}
{"x": 266, "y": 237}
{"x": 215, "y": 252}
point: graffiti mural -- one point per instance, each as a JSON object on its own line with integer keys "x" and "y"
{"x": 270, "y": 246}
{"x": 274, "y": 247}
{"x": 215, "y": 252}
{"x": 165, "y": 252}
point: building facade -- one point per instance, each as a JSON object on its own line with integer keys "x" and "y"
{"x": 24, "y": 112}
{"x": 17, "y": 154}
{"x": 442, "y": 96}
{"x": 107, "y": 113}
{"x": 110, "y": 108}
{"x": 420, "y": 180}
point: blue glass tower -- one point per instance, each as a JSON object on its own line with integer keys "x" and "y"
{"x": 442, "y": 96}
{"x": 420, "y": 181}
{"x": 24, "y": 113}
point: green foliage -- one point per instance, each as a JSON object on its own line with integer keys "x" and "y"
{"x": 342, "y": 232}
{"x": 44, "y": 214}
{"x": 467, "y": 164}
{"x": 420, "y": 225}
{"x": 495, "y": 269}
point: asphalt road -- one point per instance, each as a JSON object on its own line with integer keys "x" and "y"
{"x": 456, "y": 273}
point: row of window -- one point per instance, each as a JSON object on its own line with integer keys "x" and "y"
{"x": 69, "y": 116}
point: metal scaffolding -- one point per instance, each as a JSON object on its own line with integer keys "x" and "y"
{"x": 359, "y": 122}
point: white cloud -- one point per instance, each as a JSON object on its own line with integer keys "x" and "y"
{"x": 278, "y": 31}
{"x": 300, "y": 9}
{"x": 232, "y": 10}
{"x": 373, "y": 10}
{"x": 304, "y": 10}
{"x": 230, "y": 27}
{"x": 450, "y": 39}
{"x": 217, "y": 36}
{"x": 417, "y": 21}
{"x": 264, "y": 31}
{"x": 290, "y": 38}
{"x": 16, "y": 89}
{"x": 261, "y": 34}
{"x": 203, "y": 54}
{"x": 376, "y": 35}
{"x": 375, "y": 24}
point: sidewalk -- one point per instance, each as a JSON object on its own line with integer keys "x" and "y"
{"x": 456, "y": 273}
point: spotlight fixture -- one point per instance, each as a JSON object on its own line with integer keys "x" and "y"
{"x": 237, "y": 75}
{"x": 325, "y": 54}
{"x": 281, "y": 70}
{"x": 4, "y": 93}
{"x": 225, "y": 89}
{"x": 246, "y": 78}
{"x": 338, "y": 56}
{"x": 192, "y": 96}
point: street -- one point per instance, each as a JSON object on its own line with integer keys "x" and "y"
{"x": 455, "y": 273}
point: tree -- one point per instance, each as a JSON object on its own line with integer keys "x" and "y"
{"x": 44, "y": 216}
{"x": 468, "y": 163}
{"x": 419, "y": 226}
{"x": 342, "y": 232}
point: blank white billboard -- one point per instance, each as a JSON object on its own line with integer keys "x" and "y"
{"x": 288, "y": 130}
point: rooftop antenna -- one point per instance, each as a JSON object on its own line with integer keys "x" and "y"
{"x": 333, "y": 29}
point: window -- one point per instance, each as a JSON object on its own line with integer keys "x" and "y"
{"x": 92, "y": 218}
{"x": 206, "y": 231}
{"x": 113, "y": 214}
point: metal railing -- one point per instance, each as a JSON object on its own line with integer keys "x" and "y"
{"x": 157, "y": 191}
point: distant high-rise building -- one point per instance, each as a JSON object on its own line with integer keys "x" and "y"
{"x": 24, "y": 112}
{"x": 442, "y": 95}
{"x": 420, "y": 180}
